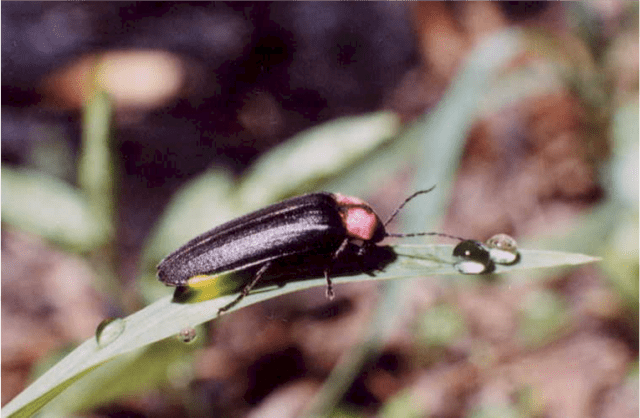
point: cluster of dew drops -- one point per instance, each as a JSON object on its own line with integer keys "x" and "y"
{"x": 475, "y": 257}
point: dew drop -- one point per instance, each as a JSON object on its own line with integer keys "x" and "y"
{"x": 108, "y": 330}
{"x": 471, "y": 250}
{"x": 474, "y": 258}
{"x": 187, "y": 335}
{"x": 472, "y": 267}
{"x": 503, "y": 249}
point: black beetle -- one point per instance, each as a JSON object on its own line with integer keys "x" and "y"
{"x": 312, "y": 228}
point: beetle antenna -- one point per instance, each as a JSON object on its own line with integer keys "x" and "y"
{"x": 393, "y": 215}
{"x": 422, "y": 234}
{"x": 417, "y": 234}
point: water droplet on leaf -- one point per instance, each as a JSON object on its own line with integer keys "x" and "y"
{"x": 474, "y": 258}
{"x": 108, "y": 330}
{"x": 503, "y": 249}
{"x": 187, "y": 335}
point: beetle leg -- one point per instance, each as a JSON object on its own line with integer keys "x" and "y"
{"x": 363, "y": 249}
{"x": 327, "y": 269}
{"x": 247, "y": 288}
{"x": 330, "y": 293}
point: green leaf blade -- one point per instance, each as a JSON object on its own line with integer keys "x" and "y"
{"x": 166, "y": 318}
